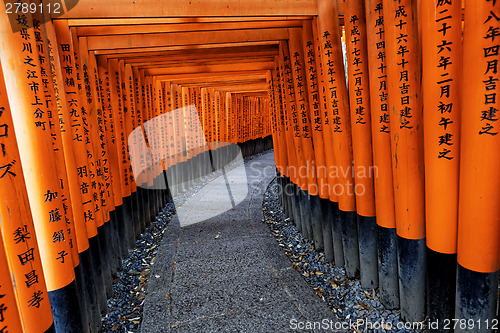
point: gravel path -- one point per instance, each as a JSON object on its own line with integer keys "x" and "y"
{"x": 345, "y": 297}
{"x": 125, "y": 308}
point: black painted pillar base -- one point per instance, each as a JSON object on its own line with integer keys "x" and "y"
{"x": 182, "y": 177}
{"x": 326, "y": 228}
{"x": 98, "y": 260}
{"x": 350, "y": 243}
{"x": 66, "y": 309}
{"x": 388, "y": 267}
{"x": 106, "y": 242}
{"x": 135, "y": 215}
{"x": 476, "y": 299}
{"x": 172, "y": 180}
{"x": 305, "y": 215}
{"x": 199, "y": 166}
{"x": 80, "y": 283}
{"x": 52, "y": 329}
{"x": 142, "y": 215}
{"x": 279, "y": 183}
{"x": 316, "y": 222}
{"x": 368, "y": 262}
{"x": 296, "y": 206}
{"x": 441, "y": 281}
{"x": 217, "y": 159}
{"x": 154, "y": 203}
{"x": 288, "y": 193}
{"x": 192, "y": 171}
{"x": 116, "y": 262}
{"x": 412, "y": 278}
{"x": 338, "y": 246}
{"x": 129, "y": 223}
{"x": 90, "y": 292}
{"x": 270, "y": 143}
{"x": 151, "y": 203}
{"x": 122, "y": 230}
{"x": 287, "y": 209}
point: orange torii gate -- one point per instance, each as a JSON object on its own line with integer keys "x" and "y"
{"x": 391, "y": 170}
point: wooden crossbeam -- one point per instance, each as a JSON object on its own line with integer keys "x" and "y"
{"x": 203, "y": 76}
{"x": 131, "y": 51}
{"x": 187, "y": 58}
{"x": 235, "y": 83}
{"x": 88, "y": 22}
{"x": 203, "y": 62}
{"x": 192, "y": 8}
{"x": 229, "y": 79}
{"x": 252, "y": 66}
{"x": 263, "y": 94}
{"x": 205, "y": 52}
{"x": 184, "y": 27}
{"x": 244, "y": 88}
{"x": 185, "y": 38}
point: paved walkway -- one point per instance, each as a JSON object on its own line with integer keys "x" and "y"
{"x": 219, "y": 269}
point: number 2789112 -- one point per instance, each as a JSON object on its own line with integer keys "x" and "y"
{"x": 32, "y": 8}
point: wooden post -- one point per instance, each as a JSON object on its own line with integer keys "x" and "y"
{"x": 18, "y": 241}
{"x": 120, "y": 140}
{"x": 405, "y": 105}
{"x": 111, "y": 148}
{"x": 308, "y": 134}
{"x": 38, "y": 161}
{"x": 332, "y": 206}
{"x": 303, "y": 216}
{"x": 97, "y": 152}
{"x": 382, "y": 159}
{"x": 441, "y": 78}
{"x": 479, "y": 196}
{"x": 73, "y": 117}
{"x": 338, "y": 108}
{"x": 9, "y": 313}
{"x": 360, "y": 108}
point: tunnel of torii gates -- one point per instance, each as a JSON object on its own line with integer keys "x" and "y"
{"x": 394, "y": 173}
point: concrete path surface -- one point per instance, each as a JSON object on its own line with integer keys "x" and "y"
{"x": 219, "y": 269}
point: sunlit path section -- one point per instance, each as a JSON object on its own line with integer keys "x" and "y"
{"x": 220, "y": 269}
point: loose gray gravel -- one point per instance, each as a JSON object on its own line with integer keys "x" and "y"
{"x": 125, "y": 308}
{"x": 345, "y": 297}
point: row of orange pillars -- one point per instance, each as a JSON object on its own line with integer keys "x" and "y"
{"x": 87, "y": 150}
{"x": 395, "y": 174}
{"x": 392, "y": 170}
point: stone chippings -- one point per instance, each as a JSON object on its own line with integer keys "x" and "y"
{"x": 129, "y": 287}
{"x": 125, "y": 308}
{"x": 345, "y": 297}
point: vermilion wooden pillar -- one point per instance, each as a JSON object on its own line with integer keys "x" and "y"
{"x": 360, "y": 109}
{"x": 338, "y": 108}
{"x": 441, "y": 80}
{"x": 479, "y": 195}
{"x": 382, "y": 159}
{"x": 405, "y": 105}
{"x": 36, "y": 156}
{"x": 17, "y": 236}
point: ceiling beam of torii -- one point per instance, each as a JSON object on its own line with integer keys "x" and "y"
{"x": 185, "y": 38}
{"x": 204, "y": 76}
{"x": 131, "y": 51}
{"x": 192, "y": 8}
{"x": 183, "y": 27}
{"x": 196, "y": 53}
{"x": 237, "y": 67}
{"x": 259, "y": 82}
{"x": 227, "y": 79}
{"x": 203, "y": 62}
{"x": 175, "y": 20}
